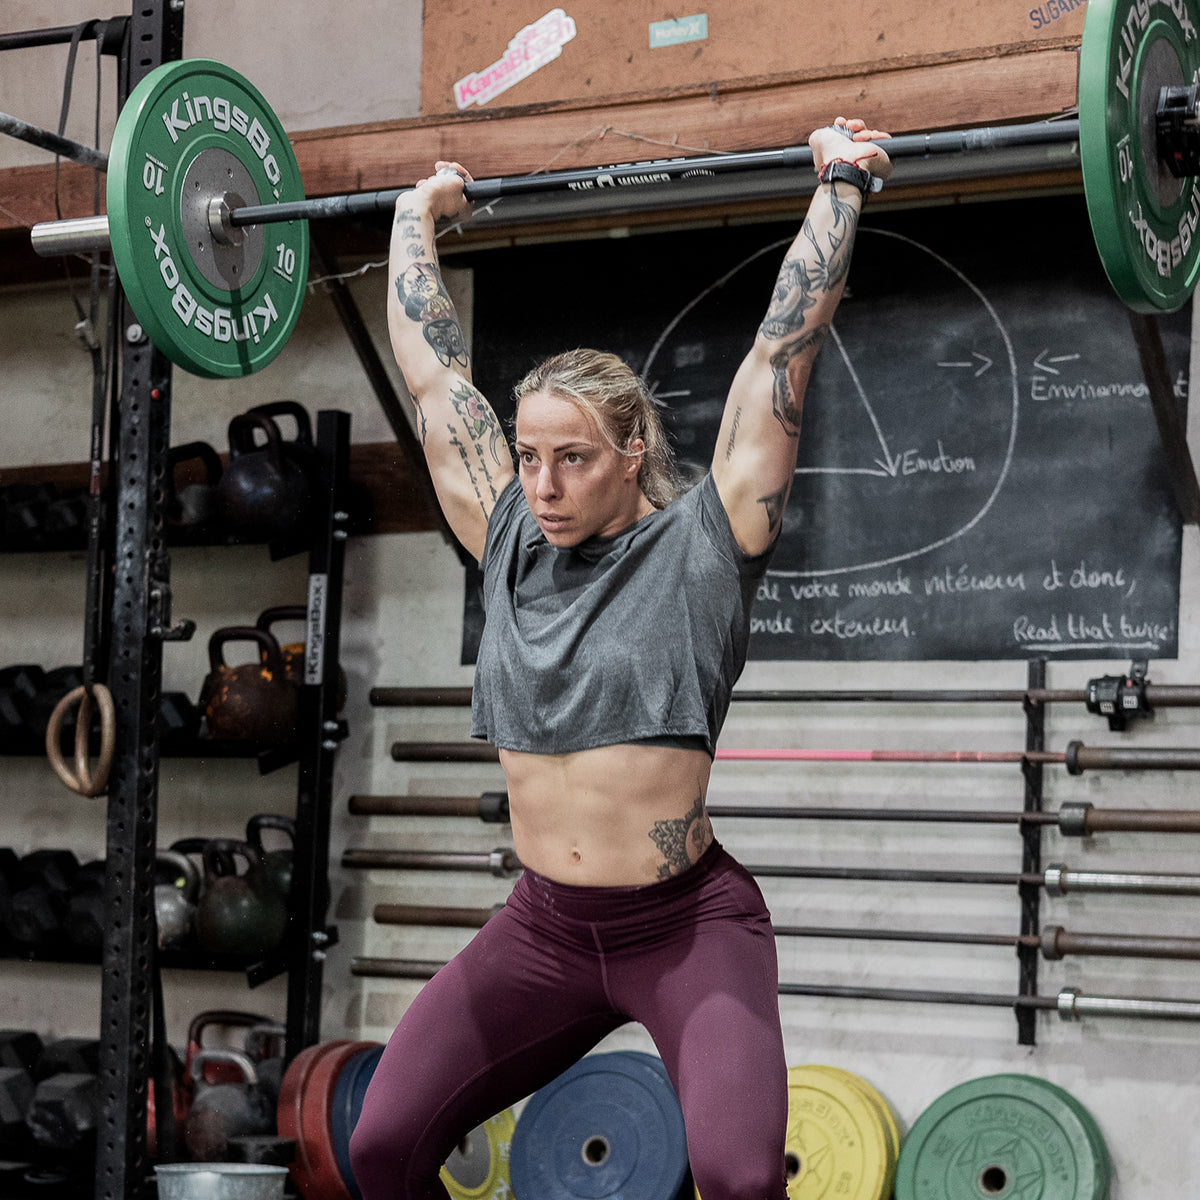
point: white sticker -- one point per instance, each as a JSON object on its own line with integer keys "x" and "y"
{"x": 531, "y": 49}
{"x": 314, "y": 649}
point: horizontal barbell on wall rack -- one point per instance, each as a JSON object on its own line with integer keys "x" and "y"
{"x": 1073, "y": 818}
{"x": 1054, "y": 941}
{"x": 1070, "y": 1003}
{"x": 1057, "y": 879}
{"x": 196, "y": 151}
{"x": 502, "y": 862}
{"x": 1077, "y": 757}
{"x": 1157, "y": 696}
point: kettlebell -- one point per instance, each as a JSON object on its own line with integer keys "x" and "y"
{"x": 193, "y": 507}
{"x": 277, "y": 864}
{"x": 220, "y": 1111}
{"x": 266, "y": 1045}
{"x": 265, "y": 493}
{"x": 293, "y": 652}
{"x": 176, "y": 895}
{"x": 254, "y": 701}
{"x": 241, "y": 915}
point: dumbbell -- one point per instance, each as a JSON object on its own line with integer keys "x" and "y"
{"x": 62, "y": 1116}
{"x": 19, "y": 686}
{"x": 20, "y": 1048}
{"x": 8, "y": 870}
{"x": 25, "y": 510}
{"x": 68, "y": 1056}
{"x": 16, "y": 1091}
{"x": 41, "y": 893}
{"x": 85, "y": 920}
{"x": 56, "y": 683}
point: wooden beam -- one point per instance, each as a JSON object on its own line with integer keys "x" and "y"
{"x": 1017, "y": 86}
{"x": 1013, "y": 88}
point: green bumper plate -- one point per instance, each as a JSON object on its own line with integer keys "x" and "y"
{"x": 191, "y": 133}
{"x": 1144, "y": 219}
{"x": 1003, "y": 1137}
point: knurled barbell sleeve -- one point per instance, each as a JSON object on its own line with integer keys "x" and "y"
{"x": 1059, "y": 880}
{"x": 1073, "y": 1005}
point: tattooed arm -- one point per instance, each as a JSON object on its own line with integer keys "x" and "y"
{"x": 755, "y": 456}
{"x": 465, "y": 448}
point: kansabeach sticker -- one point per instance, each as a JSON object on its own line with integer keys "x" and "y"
{"x": 529, "y": 51}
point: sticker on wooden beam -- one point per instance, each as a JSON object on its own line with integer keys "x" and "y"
{"x": 675, "y": 32}
{"x": 528, "y": 51}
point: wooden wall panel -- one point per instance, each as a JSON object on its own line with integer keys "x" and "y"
{"x": 610, "y": 52}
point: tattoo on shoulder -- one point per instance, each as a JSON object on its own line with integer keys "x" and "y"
{"x": 681, "y": 841}
{"x": 774, "y": 505}
{"x": 423, "y": 294}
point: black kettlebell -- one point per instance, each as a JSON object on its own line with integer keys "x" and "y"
{"x": 254, "y": 701}
{"x": 277, "y": 864}
{"x": 193, "y": 507}
{"x": 240, "y": 915}
{"x": 265, "y": 493}
{"x": 220, "y": 1111}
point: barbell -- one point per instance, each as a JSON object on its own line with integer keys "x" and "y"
{"x": 200, "y": 168}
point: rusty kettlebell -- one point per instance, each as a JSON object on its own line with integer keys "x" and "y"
{"x": 265, "y": 493}
{"x": 241, "y": 915}
{"x": 293, "y": 652}
{"x": 253, "y": 701}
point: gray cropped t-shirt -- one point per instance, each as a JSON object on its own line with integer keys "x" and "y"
{"x": 627, "y": 638}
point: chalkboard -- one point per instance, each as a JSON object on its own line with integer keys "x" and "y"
{"x": 980, "y": 473}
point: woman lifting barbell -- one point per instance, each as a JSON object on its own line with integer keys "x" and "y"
{"x": 617, "y": 623}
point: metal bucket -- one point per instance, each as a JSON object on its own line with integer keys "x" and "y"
{"x": 220, "y": 1181}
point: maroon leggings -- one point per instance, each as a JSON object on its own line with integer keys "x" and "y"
{"x": 558, "y": 968}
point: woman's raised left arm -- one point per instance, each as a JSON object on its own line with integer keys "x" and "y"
{"x": 755, "y": 457}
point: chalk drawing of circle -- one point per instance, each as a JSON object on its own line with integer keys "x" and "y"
{"x": 910, "y": 417}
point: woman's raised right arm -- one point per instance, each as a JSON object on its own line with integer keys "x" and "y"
{"x": 465, "y": 448}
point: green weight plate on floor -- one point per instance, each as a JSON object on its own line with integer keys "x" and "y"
{"x": 1004, "y": 1137}
{"x": 1145, "y": 220}
{"x": 837, "y": 1145}
{"x": 190, "y": 133}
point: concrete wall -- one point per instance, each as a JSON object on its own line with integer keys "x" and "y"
{"x": 402, "y": 625}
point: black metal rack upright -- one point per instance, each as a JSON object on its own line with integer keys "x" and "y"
{"x": 138, "y": 620}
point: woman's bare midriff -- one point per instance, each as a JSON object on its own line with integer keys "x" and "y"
{"x": 612, "y": 816}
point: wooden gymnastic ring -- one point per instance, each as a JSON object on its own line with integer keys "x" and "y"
{"x": 81, "y": 780}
